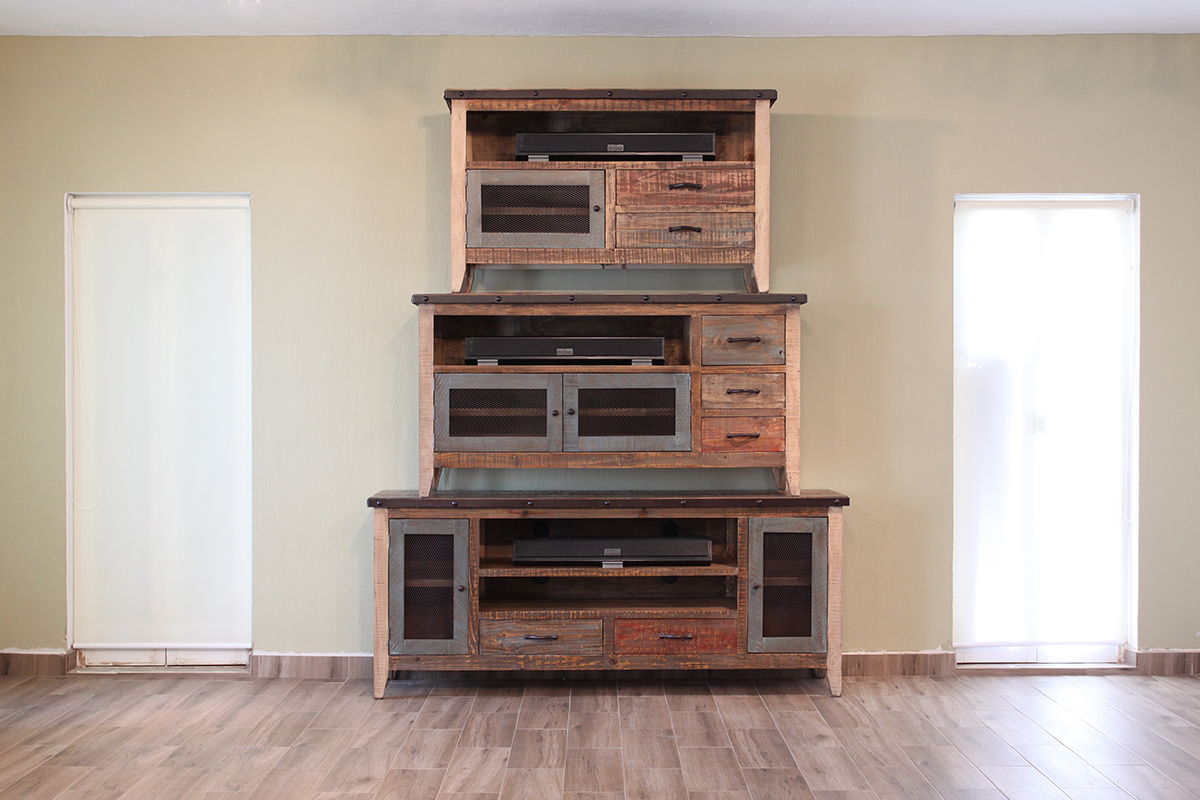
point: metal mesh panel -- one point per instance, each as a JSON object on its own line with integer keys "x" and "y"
{"x": 532, "y": 208}
{"x": 429, "y": 586}
{"x": 497, "y": 412}
{"x": 787, "y": 584}
{"x": 627, "y": 412}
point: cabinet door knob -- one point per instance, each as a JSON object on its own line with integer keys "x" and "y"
{"x": 554, "y": 413}
{"x": 461, "y": 588}
{"x": 756, "y": 586}
{"x": 570, "y": 412}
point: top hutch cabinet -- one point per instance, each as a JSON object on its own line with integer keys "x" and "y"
{"x": 618, "y": 209}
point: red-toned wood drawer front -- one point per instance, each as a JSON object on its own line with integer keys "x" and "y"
{"x": 742, "y": 435}
{"x": 685, "y": 188}
{"x": 667, "y": 636}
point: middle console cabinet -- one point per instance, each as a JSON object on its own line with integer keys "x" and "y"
{"x": 591, "y": 380}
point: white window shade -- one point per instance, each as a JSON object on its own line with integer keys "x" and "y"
{"x": 160, "y": 420}
{"x": 1044, "y": 408}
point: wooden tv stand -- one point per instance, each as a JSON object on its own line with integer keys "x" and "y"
{"x": 448, "y": 596}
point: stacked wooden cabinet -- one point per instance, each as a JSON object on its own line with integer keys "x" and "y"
{"x": 718, "y": 387}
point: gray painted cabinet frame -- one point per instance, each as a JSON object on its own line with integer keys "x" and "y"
{"x": 680, "y": 441}
{"x": 398, "y": 530}
{"x": 592, "y": 178}
{"x": 443, "y": 442}
{"x": 818, "y": 527}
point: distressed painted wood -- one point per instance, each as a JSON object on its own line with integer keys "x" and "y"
{"x": 816, "y": 581}
{"x": 742, "y": 434}
{"x": 704, "y": 187}
{"x": 515, "y": 636}
{"x": 675, "y": 636}
{"x": 682, "y": 229}
{"x": 737, "y": 339}
{"x": 402, "y": 591}
{"x": 743, "y": 391}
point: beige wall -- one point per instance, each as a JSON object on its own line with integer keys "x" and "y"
{"x": 342, "y": 144}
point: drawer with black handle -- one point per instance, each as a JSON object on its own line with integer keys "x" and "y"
{"x": 520, "y": 636}
{"x": 691, "y": 229}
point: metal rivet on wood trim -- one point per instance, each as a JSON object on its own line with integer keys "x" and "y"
{"x": 646, "y": 297}
{"x": 571, "y": 298}
{"x": 453, "y": 502}
{"x": 499, "y": 299}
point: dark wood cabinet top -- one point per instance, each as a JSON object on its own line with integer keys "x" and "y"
{"x": 812, "y": 498}
{"x": 586, "y": 298}
{"x": 611, "y": 94}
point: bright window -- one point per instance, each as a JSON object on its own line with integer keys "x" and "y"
{"x": 1045, "y": 440}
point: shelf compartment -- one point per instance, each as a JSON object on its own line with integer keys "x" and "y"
{"x": 501, "y": 568}
{"x": 450, "y": 332}
{"x": 586, "y": 608}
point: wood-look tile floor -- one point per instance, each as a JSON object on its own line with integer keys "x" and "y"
{"x": 966, "y": 738}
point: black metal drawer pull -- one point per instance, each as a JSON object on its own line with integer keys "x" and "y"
{"x": 743, "y": 391}
{"x": 742, "y": 435}
{"x": 540, "y": 637}
{"x": 736, "y": 339}
{"x": 677, "y": 636}
{"x": 686, "y": 185}
{"x": 684, "y": 228}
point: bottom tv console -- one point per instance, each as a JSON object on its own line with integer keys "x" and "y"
{"x": 448, "y": 595}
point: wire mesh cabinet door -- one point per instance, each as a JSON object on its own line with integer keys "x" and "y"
{"x": 789, "y": 576}
{"x": 427, "y": 586}
{"x": 488, "y": 413}
{"x": 533, "y": 208}
{"x": 627, "y": 412}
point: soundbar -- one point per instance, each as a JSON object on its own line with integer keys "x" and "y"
{"x": 614, "y": 552}
{"x": 616, "y": 146}
{"x": 515, "y": 349}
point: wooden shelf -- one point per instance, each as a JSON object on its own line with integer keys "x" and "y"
{"x": 590, "y": 608}
{"x": 610, "y": 164}
{"x": 503, "y": 568}
{"x": 517, "y": 369}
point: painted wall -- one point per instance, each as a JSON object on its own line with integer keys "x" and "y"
{"x": 342, "y": 143}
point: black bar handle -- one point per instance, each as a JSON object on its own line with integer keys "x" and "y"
{"x": 677, "y": 636}
{"x": 539, "y": 637}
{"x": 743, "y": 391}
{"x": 686, "y": 185}
{"x": 688, "y": 228}
{"x": 736, "y": 339}
{"x": 742, "y": 435}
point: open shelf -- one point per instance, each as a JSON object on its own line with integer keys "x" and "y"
{"x": 517, "y": 369}
{"x": 688, "y": 165}
{"x": 501, "y": 568}
{"x": 599, "y": 607}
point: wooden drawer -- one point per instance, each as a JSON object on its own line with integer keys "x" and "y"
{"x": 510, "y": 636}
{"x": 742, "y": 340}
{"x": 675, "y": 636}
{"x": 753, "y": 391}
{"x": 694, "y": 188}
{"x": 672, "y": 229}
{"x": 742, "y": 435}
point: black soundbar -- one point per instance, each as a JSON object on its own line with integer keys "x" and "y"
{"x": 616, "y": 146}
{"x": 564, "y": 348}
{"x": 636, "y": 550}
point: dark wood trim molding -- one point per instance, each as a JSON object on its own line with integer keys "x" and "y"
{"x": 898, "y": 663}
{"x": 314, "y": 666}
{"x": 37, "y": 665}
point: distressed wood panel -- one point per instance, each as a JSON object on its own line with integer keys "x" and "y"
{"x": 742, "y": 434}
{"x": 735, "y": 339}
{"x": 681, "y": 229}
{"x": 661, "y": 636}
{"x": 511, "y": 636}
{"x": 745, "y": 390}
{"x": 707, "y": 187}
{"x": 617, "y": 255}
{"x": 607, "y": 460}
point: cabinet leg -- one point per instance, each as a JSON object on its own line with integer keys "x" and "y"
{"x": 835, "y": 683}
